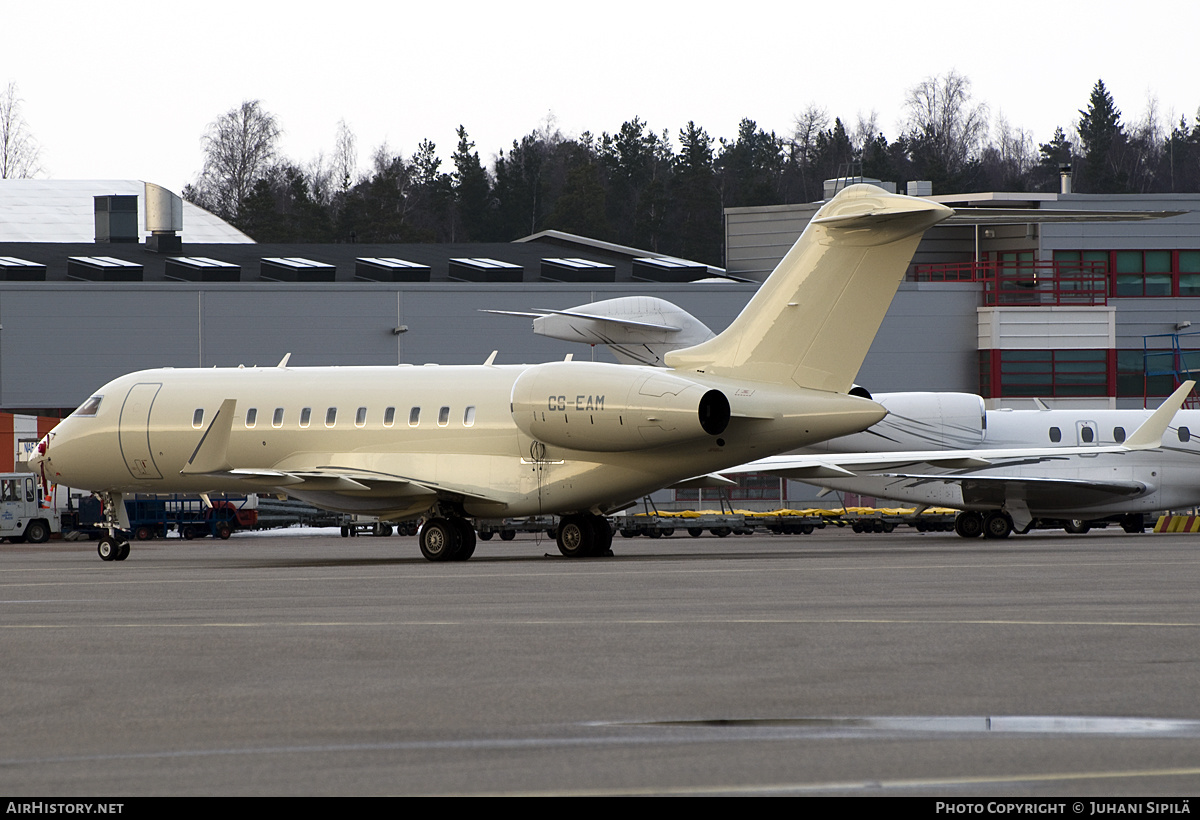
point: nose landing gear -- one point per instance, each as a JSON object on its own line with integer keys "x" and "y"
{"x": 114, "y": 544}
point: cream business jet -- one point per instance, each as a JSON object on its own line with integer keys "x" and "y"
{"x": 579, "y": 439}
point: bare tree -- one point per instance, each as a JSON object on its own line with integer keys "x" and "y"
{"x": 20, "y": 155}
{"x": 865, "y": 130}
{"x": 239, "y": 149}
{"x": 345, "y": 157}
{"x": 942, "y": 119}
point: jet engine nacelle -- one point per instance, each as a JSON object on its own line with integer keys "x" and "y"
{"x": 602, "y": 407}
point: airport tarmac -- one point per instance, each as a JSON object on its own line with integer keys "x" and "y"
{"x": 901, "y": 664}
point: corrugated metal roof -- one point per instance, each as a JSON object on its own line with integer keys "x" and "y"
{"x": 64, "y": 210}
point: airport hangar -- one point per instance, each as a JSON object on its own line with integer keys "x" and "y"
{"x": 1058, "y": 311}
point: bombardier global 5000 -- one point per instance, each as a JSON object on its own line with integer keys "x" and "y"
{"x": 578, "y": 439}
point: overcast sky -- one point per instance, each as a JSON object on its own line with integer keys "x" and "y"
{"x": 124, "y": 90}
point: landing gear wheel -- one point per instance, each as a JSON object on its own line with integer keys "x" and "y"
{"x": 968, "y": 524}
{"x": 1133, "y": 523}
{"x": 122, "y": 551}
{"x": 575, "y": 536}
{"x": 602, "y": 536}
{"x": 466, "y": 539}
{"x": 440, "y": 540}
{"x": 107, "y": 549}
{"x": 1076, "y": 526}
{"x": 997, "y": 525}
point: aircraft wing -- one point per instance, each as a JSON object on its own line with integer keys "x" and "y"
{"x": 848, "y": 465}
{"x": 597, "y": 317}
{"x": 1000, "y": 491}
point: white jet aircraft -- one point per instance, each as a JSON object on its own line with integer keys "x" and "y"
{"x": 1010, "y": 469}
{"x": 580, "y": 439}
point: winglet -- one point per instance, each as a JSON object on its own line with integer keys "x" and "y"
{"x": 1149, "y": 435}
{"x": 212, "y": 452}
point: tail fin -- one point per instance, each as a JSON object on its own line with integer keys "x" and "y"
{"x": 813, "y": 320}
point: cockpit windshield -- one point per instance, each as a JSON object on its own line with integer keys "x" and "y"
{"x": 89, "y": 407}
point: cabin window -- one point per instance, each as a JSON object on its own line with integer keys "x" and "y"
{"x": 469, "y": 417}
{"x": 1185, "y": 434}
{"x": 331, "y": 417}
{"x": 443, "y": 416}
{"x": 1055, "y": 435}
{"x": 89, "y": 407}
{"x": 251, "y": 416}
{"x": 414, "y": 417}
{"x": 360, "y": 418}
{"x": 198, "y": 418}
{"x": 1087, "y": 434}
{"x": 277, "y": 419}
{"x": 1118, "y": 434}
{"x": 389, "y": 417}
{"x": 305, "y": 416}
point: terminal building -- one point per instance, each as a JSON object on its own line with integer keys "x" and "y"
{"x": 101, "y": 278}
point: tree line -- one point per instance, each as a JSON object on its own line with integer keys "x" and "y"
{"x": 662, "y": 192}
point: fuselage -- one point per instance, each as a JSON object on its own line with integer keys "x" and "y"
{"x": 395, "y": 440}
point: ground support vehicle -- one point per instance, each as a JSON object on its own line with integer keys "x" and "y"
{"x": 25, "y": 515}
{"x": 507, "y": 528}
{"x": 355, "y": 525}
{"x": 155, "y": 516}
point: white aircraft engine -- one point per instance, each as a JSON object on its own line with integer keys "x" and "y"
{"x": 601, "y": 407}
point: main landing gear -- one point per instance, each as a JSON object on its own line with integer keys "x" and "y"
{"x": 995, "y": 524}
{"x": 584, "y": 535}
{"x": 447, "y": 538}
{"x": 114, "y": 544}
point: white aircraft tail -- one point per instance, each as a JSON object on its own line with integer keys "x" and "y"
{"x": 813, "y": 320}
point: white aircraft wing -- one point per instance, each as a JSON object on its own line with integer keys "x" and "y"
{"x": 810, "y": 467}
{"x": 1000, "y": 490}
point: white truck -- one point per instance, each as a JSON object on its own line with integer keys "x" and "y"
{"x": 23, "y": 513}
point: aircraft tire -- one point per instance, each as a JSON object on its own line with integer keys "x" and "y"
{"x": 466, "y": 539}
{"x": 1076, "y": 526}
{"x": 575, "y": 536}
{"x": 122, "y": 551}
{"x": 107, "y": 549}
{"x": 997, "y": 525}
{"x": 602, "y": 536}
{"x": 1133, "y": 523}
{"x": 439, "y": 539}
{"x": 968, "y": 524}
